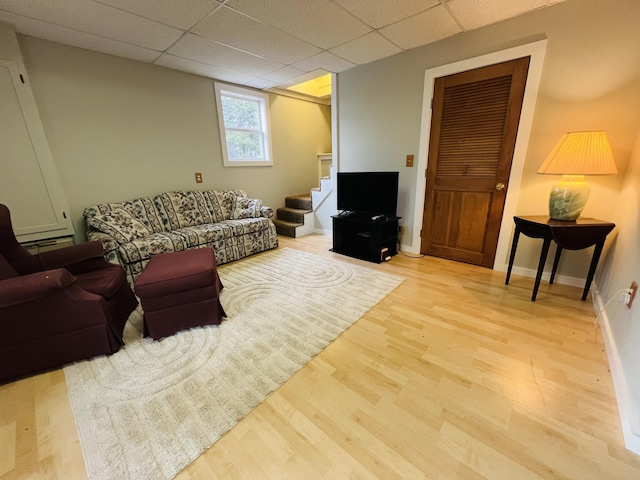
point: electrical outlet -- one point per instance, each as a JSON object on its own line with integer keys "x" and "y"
{"x": 401, "y": 229}
{"x": 198, "y": 177}
{"x": 632, "y": 295}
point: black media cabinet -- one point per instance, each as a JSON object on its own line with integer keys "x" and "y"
{"x": 359, "y": 235}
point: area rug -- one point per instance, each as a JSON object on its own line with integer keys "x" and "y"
{"x": 149, "y": 410}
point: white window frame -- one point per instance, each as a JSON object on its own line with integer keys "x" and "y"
{"x": 262, "y": 99}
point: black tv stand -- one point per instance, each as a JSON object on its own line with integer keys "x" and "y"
{"x": 364, "y": 235}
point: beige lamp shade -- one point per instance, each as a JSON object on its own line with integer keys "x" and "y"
{"x": 576, "y": 154}
{"x": 581, "y": 153}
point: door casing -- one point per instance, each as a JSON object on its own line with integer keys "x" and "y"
{"x": 536, "y": 50}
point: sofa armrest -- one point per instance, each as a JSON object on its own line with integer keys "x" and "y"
{"x": 81, "y": 258}
{"x": 27, "y": 288}
{"x": 109, "y": 244}
{"x": 266, "y": 211}
{"x": 62, "y": 257}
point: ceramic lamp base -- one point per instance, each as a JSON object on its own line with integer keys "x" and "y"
{"x": 568, "y": 198}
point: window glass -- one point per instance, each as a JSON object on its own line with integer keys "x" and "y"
{"x": 243, "y": 115}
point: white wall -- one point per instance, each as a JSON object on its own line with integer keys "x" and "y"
{"x": 120, "y": 129}
{"x": 589, "y": 82}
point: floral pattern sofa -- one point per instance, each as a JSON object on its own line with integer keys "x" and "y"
{"x": 132, "y": 232}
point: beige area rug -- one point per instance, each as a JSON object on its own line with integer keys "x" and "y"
{"x": 149, "y": 410}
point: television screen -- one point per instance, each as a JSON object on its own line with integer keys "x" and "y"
{"x": 368, "y": 192}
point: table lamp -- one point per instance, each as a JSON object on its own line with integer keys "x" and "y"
{"x": 577, "y": 154}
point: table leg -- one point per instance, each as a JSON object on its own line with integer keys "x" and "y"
{"x": 543, "y": 260}
{"x": 514, "y": 246}
{"x": 592, "y": 268}
{"x": 556, "y": 259}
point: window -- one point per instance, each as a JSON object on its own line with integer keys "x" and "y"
{"x": 243, "y": 116}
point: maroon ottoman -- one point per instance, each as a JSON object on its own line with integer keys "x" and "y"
{"x": 178, "y": 291}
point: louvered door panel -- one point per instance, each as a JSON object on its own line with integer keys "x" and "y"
{"x": 473, "y": 120}
{"x": 473, "y": 131}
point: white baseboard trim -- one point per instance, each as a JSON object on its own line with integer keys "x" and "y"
{"x": 409, "y": 249}
{"x": 323, "y": 232}
{"x": 525, "y": 272}
{"x": 563, "y": 279}
{"x": 631, "y": 437}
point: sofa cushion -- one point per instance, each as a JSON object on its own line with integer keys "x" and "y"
{"x": 213, "y": 204}
{"x": 226, "y": 201}
{"x": 6, "y": 269}
{"x": 147, "y": 247}
{"x": 183, "y": 209}
{"x": 246, "y": 208}
{"x": 237, "y": 228}
{"x": 119, "y": 224}
{"x": 142, "y": 209}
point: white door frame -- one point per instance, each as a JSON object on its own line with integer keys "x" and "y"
{"x": 536, "y": 51}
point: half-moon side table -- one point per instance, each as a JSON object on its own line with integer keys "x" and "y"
{"x": 569, "y": 235}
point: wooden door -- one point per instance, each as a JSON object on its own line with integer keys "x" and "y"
{"x": 473, "y": 132}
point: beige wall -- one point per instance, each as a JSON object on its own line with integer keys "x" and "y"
{"x": 621, "y": 325}
{"x": 120, "y": 129}
{"x": 590, "y": 81}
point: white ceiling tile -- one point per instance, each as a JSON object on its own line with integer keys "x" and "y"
{"x": 244, "y": 33}
{"x": 305, "y": 77}
{"x": 183, "y": 14}
{"x": 67, "y": 36}
{"x": 91, "y": 17}
{"x": 191, "y": 66}
{"x": 284, "y": 74}
{"x": 379, "y": 13}
{"x": 207, "y": 51}
{"x": 319, "y": 22}
{"x": 477, "y": 13}
{"x": 427, "y": 27}
{"x": 368, "y": 48}
{"x": 255, "y": 42}
{"x": 326, "y": 61}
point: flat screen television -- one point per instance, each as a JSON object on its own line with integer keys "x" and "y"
{"x": 368, "y": 192}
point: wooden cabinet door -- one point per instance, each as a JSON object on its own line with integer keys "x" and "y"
{"x": 28, "y": 181}
{"x": 473, "y": 132}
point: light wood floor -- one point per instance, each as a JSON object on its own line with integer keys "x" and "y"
{"x": 452, "y": 375}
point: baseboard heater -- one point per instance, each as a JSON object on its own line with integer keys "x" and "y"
{"x": 39, "y": 246}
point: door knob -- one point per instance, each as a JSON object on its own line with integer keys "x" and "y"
{"x": 499, "y": 186}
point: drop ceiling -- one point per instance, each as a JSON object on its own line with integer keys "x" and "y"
{"x": 257, "y": 43}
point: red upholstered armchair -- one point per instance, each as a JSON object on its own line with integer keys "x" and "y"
{"x": 58, "y": 306}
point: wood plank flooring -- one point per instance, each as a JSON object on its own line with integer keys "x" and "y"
{"x": 452, "y": 376}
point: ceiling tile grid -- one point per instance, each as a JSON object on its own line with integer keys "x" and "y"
{"x": 95, "y": 18}
{"x": 258, "y": 43}
{"x": 365, "y": 49}
{"x": 182, "y": 14}
{"x": 236, "y": 30}
{"x": 75, "y": 38}
{"x": 421, "y": 29}
{"x": 380, "y": 13}
{"x": 320, "y": 22}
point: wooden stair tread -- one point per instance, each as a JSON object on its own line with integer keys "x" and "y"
{"x": 278, "y": 221}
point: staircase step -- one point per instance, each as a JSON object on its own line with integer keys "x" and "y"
{"x": 294, "y": 215}
{"x": 302, "y": 202}
{"x": 288, "y": 229}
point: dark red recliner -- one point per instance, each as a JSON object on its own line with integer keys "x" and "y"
{"x": 59, "y": 306}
